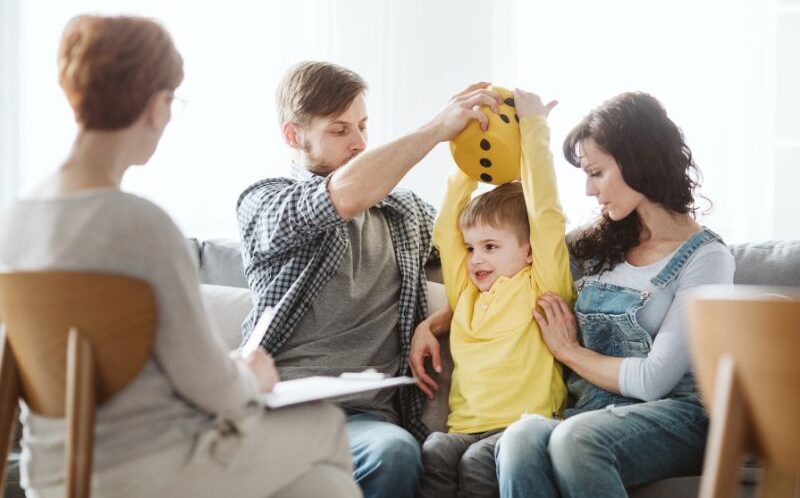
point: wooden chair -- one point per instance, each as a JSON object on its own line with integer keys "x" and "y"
{"x": 745, "y": 343}
{"x": 69, "y": 342}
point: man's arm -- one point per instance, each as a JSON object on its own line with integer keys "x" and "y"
{"x": 278, "y": 214}
{"x": 369, "y": 178}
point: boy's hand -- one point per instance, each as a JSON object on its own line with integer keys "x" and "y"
{"x": 530, "y": 104}
{"x": 423, "y": 344}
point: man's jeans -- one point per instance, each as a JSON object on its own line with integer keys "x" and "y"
{"x": 387, "y": 458}
{"x": 601, "y": 452}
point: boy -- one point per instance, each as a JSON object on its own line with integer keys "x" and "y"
{"x": 500, "y": 252}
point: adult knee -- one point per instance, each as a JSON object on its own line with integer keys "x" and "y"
{"x": 573, "y": 443}
{"x": 523, "y": 443}
{"x": 396, "y": 453}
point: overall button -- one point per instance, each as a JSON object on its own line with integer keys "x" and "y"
{"x": 644, "y": 294}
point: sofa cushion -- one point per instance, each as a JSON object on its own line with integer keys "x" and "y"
{"x": 775, "y": 263}
{"x": 227, "y": 308}
{"x": 221, "y": 263}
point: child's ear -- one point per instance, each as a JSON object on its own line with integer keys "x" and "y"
{"x": 529, "y": 257}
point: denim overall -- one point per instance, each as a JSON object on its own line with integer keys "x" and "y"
{"x": 606, "y": 316}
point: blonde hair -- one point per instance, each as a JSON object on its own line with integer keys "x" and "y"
{"x": 110, "y": 67}
{"x": 315, "y": 88}
{"x": 502, "y": 207}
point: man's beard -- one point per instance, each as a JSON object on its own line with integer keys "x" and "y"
{"x": 320, "y": 166}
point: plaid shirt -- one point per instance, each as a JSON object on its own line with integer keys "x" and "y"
{"x": 293, "y": 242}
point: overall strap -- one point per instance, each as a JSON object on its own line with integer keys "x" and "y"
{"x": 678, "y": 261}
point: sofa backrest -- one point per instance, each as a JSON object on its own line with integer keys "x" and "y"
{"x": 766, "y": 263}
{"x": 220, "y": 261}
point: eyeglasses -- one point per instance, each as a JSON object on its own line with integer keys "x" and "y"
{"x": 178, "y": 106}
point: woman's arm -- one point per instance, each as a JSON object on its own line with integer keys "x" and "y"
{"x": 560, "y": 333}
{"x": 654, "y": 376}
{"x": 648, "y": 378}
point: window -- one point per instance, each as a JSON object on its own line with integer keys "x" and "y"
{"x": 711, "y": 63}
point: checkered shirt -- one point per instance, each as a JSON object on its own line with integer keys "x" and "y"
{"x": 293, "y": 242}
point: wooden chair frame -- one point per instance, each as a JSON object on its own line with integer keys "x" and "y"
{"x": 70, "y": 341}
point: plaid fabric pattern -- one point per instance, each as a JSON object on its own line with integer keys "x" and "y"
{"x": 293, "y": 241}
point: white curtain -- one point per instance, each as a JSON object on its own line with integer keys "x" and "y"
{"x": 708, "y": 62}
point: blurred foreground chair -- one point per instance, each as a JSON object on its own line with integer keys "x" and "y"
{"x": 745, "y": 343}
{"x": 70, "y": 341}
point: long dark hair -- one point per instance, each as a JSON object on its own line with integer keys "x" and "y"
{"x": 654, "y": 160}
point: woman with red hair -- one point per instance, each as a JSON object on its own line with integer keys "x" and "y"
{"x": 190, "y": 424}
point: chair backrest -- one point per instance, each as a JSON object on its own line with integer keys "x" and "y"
{"x": 759, "y": 328}
{"x": 70, "y": 341}
{"x": 115, "y": 314}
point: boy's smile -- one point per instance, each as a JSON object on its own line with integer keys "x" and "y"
{"x": 494, "y": 253}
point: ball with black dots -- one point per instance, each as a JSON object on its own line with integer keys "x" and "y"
{"x": 491, "y": 156}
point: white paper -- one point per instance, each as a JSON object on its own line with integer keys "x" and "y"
{"x": 254, "y": 340}
{"x": 292, "y": 392}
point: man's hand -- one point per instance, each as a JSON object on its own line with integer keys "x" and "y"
{"x": 530, "y": 104}
{"x": 462, "y": 108}
{"x": 263, "y": 367}
{"x": 424, "y": 344}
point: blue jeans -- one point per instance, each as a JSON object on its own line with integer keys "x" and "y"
{"x": 387, "y": 458}
{"x": 601, "y": 452}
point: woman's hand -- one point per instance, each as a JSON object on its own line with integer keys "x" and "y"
{"x": 424, "y": 343}
{"x": 263, "y": 367}
{"x": 558, "y": 325}
{"x": 530, "y": 104}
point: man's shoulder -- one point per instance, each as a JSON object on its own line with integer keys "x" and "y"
{"x": 265, "y": 186}
{"x": 406, "y": 201}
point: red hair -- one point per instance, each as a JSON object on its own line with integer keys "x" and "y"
{"x": 110, "y": 67}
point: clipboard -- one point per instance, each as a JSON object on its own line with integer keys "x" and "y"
{"x": 293, "y": 392}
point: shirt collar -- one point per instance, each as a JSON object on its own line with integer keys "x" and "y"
{"x": 299, "y": 173}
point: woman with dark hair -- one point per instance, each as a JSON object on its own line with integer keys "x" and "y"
{"x": 191, "y": 423}
{"x": 637, "y": 417}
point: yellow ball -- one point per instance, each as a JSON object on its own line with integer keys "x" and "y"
{"x": 491, "y": 156}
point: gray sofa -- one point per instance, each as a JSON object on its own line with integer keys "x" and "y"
{"x": 228, "y": 301}
{"x": 769, "y": 263}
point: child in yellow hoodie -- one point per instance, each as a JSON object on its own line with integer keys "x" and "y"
{"x": 500, "y": 252}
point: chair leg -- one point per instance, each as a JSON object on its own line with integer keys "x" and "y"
{"x": 726, "y": 435}
{"x": 80, "y": 415}
{"x": 9, "y": 406}
{"x": 777, "y": 484}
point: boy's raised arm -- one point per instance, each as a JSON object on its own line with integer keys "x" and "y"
{"x": 447, "y": 234}
{"x": 550, "y": 268}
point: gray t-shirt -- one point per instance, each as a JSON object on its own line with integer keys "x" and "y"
{"x": 664, "y": 318}
{"x": 188, "y": 379}
{"x": 352, "y": 324}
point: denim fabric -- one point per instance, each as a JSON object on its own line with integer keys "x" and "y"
{"x": 600, "y": 452}
{"x": 606, "y": 316}
{"x": 459, "y": 465}
{"x": 386, "y": 457}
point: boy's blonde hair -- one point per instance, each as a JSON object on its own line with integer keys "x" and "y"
{"x": 502, "y": 207}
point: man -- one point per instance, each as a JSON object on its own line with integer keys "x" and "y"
{"x": 340, "y": 257}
